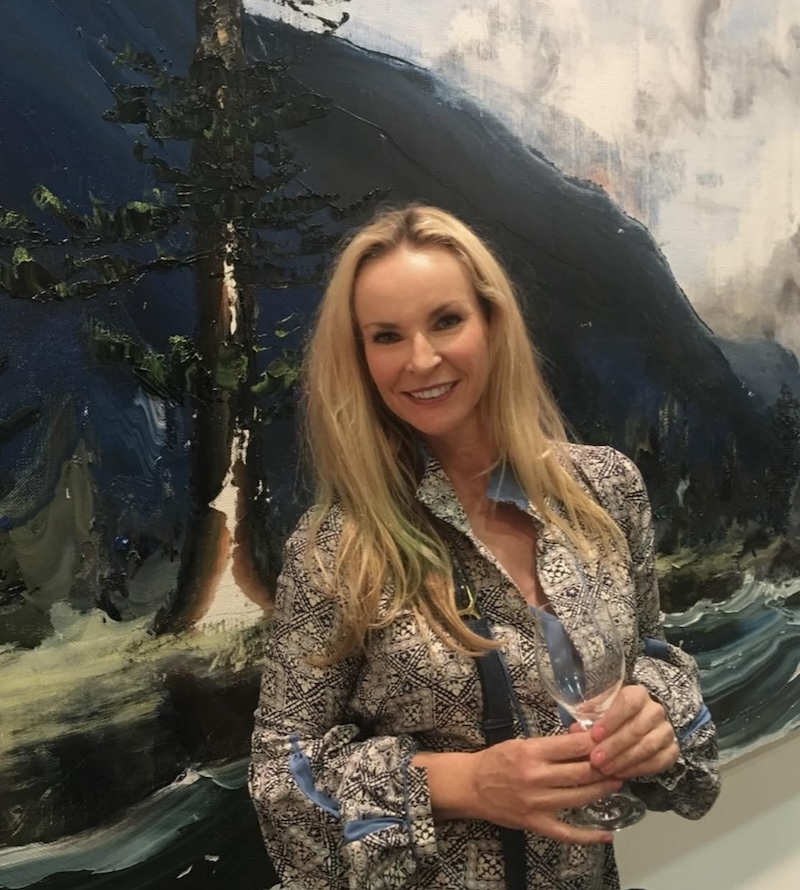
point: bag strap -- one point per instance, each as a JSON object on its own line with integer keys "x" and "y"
{"x": 498, "y": 718}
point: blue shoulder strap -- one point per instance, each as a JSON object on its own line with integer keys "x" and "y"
{"x": 498, "y": 719}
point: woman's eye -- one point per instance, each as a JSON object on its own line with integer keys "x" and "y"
{"x": 386, "y": 337}
{"x": 449, "y": 321}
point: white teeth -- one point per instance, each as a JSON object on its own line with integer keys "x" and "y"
{"x": 432, "y": 393}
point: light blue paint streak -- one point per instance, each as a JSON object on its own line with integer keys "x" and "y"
{"x": 144, "y": 832}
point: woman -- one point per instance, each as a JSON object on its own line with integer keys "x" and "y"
{"x": 435, "y": 442}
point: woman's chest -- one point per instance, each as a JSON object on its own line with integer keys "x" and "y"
{"x": 413, "y": 682}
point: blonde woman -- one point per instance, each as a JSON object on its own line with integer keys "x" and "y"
{"x": 435, "y": 442}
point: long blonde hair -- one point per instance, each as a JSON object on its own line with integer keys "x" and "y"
{"x": 390, "y": 554}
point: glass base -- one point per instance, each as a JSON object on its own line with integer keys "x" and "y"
{"x": 618, "y": 810}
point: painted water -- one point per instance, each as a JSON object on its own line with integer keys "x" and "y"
{"x": 201, "y": 828}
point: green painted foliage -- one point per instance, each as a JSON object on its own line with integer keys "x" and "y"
{"x": 169, "y": 376}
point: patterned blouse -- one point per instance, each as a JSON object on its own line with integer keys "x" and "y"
{"x": 339, "y": 802}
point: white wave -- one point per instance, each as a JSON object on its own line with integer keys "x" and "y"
{"x": 734, "y": 752}
{"x": 751, "y": 592}
{"x": 140, "y": 834}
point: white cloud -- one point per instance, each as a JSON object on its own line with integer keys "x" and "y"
{"x": 686, "y": 112}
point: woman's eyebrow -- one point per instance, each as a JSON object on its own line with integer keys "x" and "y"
{"x": 437, "y": 310}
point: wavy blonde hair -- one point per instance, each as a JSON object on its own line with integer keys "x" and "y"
{"x": 391, "y": 555}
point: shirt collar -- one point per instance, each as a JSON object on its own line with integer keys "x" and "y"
{"x": 436, "y": 492}
{"x": 504, "y": 487}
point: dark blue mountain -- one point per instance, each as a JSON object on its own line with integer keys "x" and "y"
{"x": 628, "y": 358}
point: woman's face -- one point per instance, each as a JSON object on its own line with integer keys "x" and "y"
{"x": 426, "y": 341}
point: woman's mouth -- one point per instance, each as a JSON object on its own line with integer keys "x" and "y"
{"x": 424, "y": 395}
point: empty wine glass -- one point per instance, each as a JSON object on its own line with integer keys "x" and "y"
{"x": 581, "y": 663}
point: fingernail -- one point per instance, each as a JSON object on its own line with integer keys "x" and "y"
{"x": 598, "y": 733}
{"x": 597, "y": 758}
{"x": 608, "y": 838}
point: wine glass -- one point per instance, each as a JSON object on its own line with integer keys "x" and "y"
{"x": 581, "y": 663}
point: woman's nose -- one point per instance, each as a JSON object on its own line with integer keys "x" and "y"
{"x": 423, "y": 356}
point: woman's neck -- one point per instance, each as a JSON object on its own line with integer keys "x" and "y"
{"x": 467, "y": 466}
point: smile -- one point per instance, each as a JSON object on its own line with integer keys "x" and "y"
{"x": 433, "y": 393}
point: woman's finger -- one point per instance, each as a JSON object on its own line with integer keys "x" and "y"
{"x": 551, "y": 826}
{"x": 640, "y": 737}
{"x": 555, "y": 800}
{"x": 654, "y": 754}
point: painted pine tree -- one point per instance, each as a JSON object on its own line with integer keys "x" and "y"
{"x": 227, "y": 203}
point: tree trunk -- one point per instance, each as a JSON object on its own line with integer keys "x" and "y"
{"x": 220, "y": 165}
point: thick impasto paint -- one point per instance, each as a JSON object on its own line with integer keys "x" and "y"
{"x": 174, "y": 179}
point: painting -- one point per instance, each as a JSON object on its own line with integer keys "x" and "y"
{"x": 174, "y": 180}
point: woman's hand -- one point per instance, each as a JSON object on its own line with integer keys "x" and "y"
{"x": 634, "y": 737}
{"x": 521, "y": 783}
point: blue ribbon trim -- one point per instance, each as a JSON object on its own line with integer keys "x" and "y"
{"x": 300, "y": 768}
{"x": 656, "y": 649}
{"x": 358, "y": 829}
{"x": 702, "y": 718}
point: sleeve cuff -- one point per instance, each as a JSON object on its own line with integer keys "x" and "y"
{"x": 388, "y": 832}
{"x": 419, "y": 812}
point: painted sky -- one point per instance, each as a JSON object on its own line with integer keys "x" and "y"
{"x": 685, "y": 112}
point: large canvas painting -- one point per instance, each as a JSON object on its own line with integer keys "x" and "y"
{"x": 173, "y": 180}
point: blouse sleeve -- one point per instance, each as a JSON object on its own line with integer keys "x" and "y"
{"x": 669, "y": 674}
{"x": 338, "y": 807}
